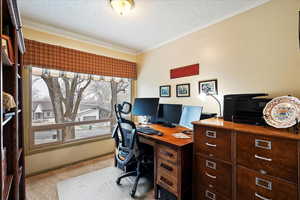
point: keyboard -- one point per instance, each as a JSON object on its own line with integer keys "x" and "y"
{"x": 148, "y": 130}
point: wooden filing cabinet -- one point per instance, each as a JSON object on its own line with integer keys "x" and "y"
{"x": 267, "y": 167}
{"x": 174, "y": 170}
{"x": 212, "y": 163}
{"x": 173, "y": 158}
{"x": 244, "y": 162}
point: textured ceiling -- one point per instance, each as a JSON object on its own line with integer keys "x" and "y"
{"x": 150, "y": 24}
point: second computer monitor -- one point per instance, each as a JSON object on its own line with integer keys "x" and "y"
{"x": 168, "y": 114}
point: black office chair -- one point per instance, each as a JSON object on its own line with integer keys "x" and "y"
{"x": 129, "y": 150}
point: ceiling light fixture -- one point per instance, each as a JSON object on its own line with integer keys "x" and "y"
{"x": 122, "y": 6}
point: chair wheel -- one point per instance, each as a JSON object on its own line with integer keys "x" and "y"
{"x": 118, "y": 181}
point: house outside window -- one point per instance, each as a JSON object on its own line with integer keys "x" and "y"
{"x": 68, "y": 107}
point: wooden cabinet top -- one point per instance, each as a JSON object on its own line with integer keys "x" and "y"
{"x": 260, "y": 130}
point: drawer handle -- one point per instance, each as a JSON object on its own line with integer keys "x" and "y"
{"x": 211, "y": 164}
{"x": 166, "y": 181}
{"x": 261, "y": 197}
{"x": 210, "y": 195}
{"x": 211, "y": 134}
{"x": 263, "y": 144}
{"x": 210, "y": 145}
{"x": 263, "y": 183}
{"x": 210, "y": 176}
{"x": 167, "y": 167}
{"x": 263, "y": 158}
{"x": 167, "y": 153}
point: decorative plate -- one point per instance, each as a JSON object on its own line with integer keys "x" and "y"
{"x": 282, "y": 112}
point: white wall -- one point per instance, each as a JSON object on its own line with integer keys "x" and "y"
{"x": 256, "y": 51}
{"x": 52, "y": 159}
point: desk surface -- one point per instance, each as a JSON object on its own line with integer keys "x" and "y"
{"x": 168, "y": 137}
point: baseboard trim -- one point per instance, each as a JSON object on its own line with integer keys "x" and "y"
{"x": 68, "y": 164}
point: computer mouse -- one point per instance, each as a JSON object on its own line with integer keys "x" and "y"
{"x": 160, "y": 134}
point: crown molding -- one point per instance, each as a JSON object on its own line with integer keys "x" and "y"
{"x": 75, "y": 36}
{"x": 203, "y": 26}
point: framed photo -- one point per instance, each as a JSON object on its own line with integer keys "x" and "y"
{"x": 7, "y": 47}
{"x": 165, "y": 91}
{"x": 183, "y": 90}
{"x": 208, "y": 87}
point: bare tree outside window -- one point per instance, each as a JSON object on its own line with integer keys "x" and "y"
{"x": 61, "y": 100}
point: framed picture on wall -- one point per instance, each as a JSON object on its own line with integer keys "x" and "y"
{"x": 183, "y": 90}
{"x": 208, "y": 87}
{"x": 165, "y": 91}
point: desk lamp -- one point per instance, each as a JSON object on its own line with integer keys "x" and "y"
{"x": 203, "y": 97}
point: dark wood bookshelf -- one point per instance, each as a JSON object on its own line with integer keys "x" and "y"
{"x": 12, "y": 168}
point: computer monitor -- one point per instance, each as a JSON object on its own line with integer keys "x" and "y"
{"x": 159, "y": 117}
{"x": 169, "y": 114}
{"x": 190, "y": 114}
{"x": 145, "y": 107}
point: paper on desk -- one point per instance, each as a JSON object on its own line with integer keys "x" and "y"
{"x": 181, "y": 135}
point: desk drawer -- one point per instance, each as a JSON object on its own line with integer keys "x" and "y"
{"x": 167, "y": 167}
{"x": 168, "y": 182}
{"x": 214, "y": 175}
{"x": 215, "y": 143}
{"x": 206, "y": 193}
{"x": 167, "y": 153}
{"x": 252, "y": 185}
{"x": 271, "y": 156}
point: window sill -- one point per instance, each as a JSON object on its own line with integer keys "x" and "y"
{"x": 53, "y": 147}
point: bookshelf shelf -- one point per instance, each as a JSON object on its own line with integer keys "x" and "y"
{"x": 6, "y": 120}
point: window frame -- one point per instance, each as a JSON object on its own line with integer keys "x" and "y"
{"x": 38, "y": 148}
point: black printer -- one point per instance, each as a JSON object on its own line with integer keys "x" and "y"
{"x": 245, "y": 108}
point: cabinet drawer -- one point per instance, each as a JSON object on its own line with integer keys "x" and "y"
{"x": 167, "y": 154}
{"x": 271, "y": 156}
{"x": 215, "y": 143}
{"x": 252, "y": 185}
{"x": 167, "y": 167}
{"x": 166, "y": 181}
{"x": 208, "y": 194}
{"x": 214, "y": 175}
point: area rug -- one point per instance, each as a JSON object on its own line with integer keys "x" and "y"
{"x": 101, "y": 185}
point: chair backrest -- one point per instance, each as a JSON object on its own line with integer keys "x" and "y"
{"x": 124, "y": 108}
{"x": 125, "y": 134}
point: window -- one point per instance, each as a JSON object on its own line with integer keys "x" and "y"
{"x": 68, "y": 107}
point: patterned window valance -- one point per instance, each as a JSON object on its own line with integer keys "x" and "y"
{"x": 60, "y": 58}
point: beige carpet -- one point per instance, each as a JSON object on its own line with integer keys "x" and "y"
{"x": 101, "y": 185}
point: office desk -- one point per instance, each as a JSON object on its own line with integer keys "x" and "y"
{"x": 172, "y": 161}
